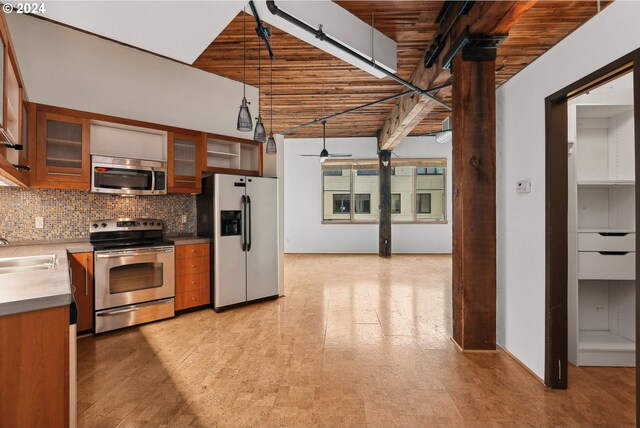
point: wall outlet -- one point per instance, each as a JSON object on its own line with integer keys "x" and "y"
{"x": 39, "y": 222}
{"x": 184, "y": 219}
{"x": 523, "y": 186}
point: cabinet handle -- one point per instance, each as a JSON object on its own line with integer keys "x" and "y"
{"x": 86, "y": 274}
{"x": 193, "y": 282}
{"x": 193, "y": 298}
{"x": 193, "y": 265}
{"x": 193, "y": 251}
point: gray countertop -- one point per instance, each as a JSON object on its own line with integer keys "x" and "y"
{"x": 34, "y": 290}
{"x": 43, "y": 289}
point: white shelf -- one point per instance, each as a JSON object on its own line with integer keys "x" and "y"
{"x": 223, "y": 154}
{"x": 606, "y": 183}
{"x": 606, "y": 230}
{"x": 602, "y": 340}
{"x": 61, "y": 141}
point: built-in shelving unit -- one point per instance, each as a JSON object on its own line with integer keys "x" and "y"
{"x": 602, "y": 294}
{"x": 233, "y": 155}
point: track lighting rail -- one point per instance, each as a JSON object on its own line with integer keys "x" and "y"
{"x": 320, "y": 34}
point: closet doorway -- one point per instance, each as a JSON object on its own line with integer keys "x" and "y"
{"x": 592, "y": 149}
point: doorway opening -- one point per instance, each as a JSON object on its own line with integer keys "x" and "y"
{"x": 592, "y": 148}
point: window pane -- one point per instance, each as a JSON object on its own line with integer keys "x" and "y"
{"x": 396, "y": 203}
{"x": 402, "y": 193}
{"x": 341, "y": 203}
{"x": 424, "y": 203}
{"x": 337, "y": 194}
{"x": 363, "y": 204}
{"x": 366, "y": 187}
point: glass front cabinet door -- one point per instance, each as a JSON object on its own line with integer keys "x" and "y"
{"x": 185, "y": 170}
{"x": 62, "y": 151}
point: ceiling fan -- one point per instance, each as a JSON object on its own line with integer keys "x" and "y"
{"x": 325, "y": 153}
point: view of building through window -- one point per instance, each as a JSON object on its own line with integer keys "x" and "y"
{"x": 351, "y": 190}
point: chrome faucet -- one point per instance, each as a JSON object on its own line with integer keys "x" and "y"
{"x": 4, "y": 242}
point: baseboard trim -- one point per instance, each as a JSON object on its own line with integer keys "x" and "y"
{"x": 473, "y": 351}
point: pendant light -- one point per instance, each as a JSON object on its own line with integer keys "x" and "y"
{"x": 245, "y": 122}
{"x": 260, "y": 134}
{"x": 271, "y": 142}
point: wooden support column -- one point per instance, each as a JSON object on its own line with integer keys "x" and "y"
{"x": 474, "y": 199}
{"x": 384, "y": 158}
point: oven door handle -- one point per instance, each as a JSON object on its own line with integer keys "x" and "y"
{"x": 140, "y": 252}
{"x": 119, "y": 311}
{"x": 135, "y": 307}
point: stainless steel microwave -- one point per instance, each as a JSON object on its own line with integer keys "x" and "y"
{"x": 128, "y": 176}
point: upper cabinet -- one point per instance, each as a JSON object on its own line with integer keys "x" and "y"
{"x": 185, "y": 162}
{"x": 62, "y": 151}
{"x": 232, "y": 155}
{"x": 14, "y": 161}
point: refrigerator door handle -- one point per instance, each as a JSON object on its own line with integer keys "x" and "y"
{"x": 244, "y": 223}
{"x": 249, "y": 222}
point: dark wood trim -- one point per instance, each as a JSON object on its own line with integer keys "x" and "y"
{"x": 556, "y": 257}
{"x": 114, "y": 119}
{"x": 384, "y": 230}
{"x": 556, "y": 212}
{"x": 636, "y": 124}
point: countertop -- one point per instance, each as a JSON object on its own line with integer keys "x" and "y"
{"x": 43, "y": 289}
{"x": 39, "y": 289}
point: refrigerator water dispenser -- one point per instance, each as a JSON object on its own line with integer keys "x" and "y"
{"x": 230, "y": 223}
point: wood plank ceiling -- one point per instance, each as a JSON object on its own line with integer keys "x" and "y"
{"x": 301, "y": 72}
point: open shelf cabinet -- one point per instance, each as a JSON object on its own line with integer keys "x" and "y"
{"x": 232, "y": 155}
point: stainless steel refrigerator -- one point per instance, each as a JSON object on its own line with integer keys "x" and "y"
{"x": 240, "y": 214}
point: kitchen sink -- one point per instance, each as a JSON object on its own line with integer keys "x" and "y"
{"x": 26, "y": 264}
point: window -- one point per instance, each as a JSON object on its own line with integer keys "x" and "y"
{"x": 363, "y": 203}
{"x": 424, "y": 203}
{"x": 396, "y": 203}
{"x": 351, "y": 190}
{"x": 341, "y": 203}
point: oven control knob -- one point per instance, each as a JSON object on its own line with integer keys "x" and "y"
{"x": 94, "y": 225}
{"x": 144, "y": 223}
{"x": 104, "y": 225}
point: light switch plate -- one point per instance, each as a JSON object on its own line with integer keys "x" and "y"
{"x": 39, "y": 222}
{"x": 184, "y": 219}
{"x": 523, "y": 186}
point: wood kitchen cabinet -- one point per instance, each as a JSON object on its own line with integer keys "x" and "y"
{"x": 81, "y": 265}
{"x": 192, "y": 276}
{"x": 34, "y": 369}
{"x": 62, "y": 151}
{"x": 14, "y": 164}
{"x": 185, "y": 163}
{"x": 231, "y": 155}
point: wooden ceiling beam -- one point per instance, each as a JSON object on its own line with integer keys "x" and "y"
{"x": 486, "y": 17}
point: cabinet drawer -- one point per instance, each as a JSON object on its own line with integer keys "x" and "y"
{"x": 596, "y": 265}
{"x": 192, "y": 298}
{"x": 194, "y": 281}
{"x": 187, "y": 251}
{"x": 192, "y": 265}
{"x": 606, "y": 242}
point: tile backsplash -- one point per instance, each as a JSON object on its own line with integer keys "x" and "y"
{"x": 67, "y": 213}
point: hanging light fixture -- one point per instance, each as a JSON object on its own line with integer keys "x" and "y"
{"x": 245, "y": 122}
{"x": 271, "y": 142}
{"x": 260, "y": 134}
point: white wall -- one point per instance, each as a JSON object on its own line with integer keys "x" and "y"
{"x": 521, "y": 154}
{"x": 304, "y": 231}
{"x": 67, "y": 68}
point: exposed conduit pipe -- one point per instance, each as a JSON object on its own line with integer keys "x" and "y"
{"x": 263, "y": 32}
{"x": 326, "y": 38}
{"x": 355, "y": 109}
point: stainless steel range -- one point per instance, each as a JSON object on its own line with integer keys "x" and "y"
{"x": 134, "y": 269}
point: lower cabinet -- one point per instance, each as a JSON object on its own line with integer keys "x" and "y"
{"x": 81, "y": 265}
{"x": 192, "y": 276}
{"x": 34, "y": 369}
